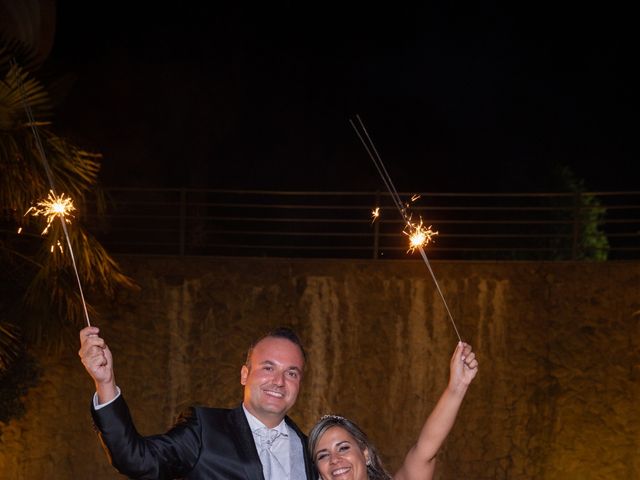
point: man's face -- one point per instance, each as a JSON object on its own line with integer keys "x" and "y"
{"x": 272, "y": 380}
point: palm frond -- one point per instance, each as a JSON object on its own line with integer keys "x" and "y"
{"x": 17, "y": 91}
{"x": 13, "y": 51}
{"x": 55, "y": 285}
{"x": 22, "y": 176}
{"x": 75, "y": 170}
{"x": 9, "y": 344}
{"x": 53, "y": 307}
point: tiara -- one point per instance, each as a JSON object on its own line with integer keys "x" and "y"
{"x": 337, "y": 418}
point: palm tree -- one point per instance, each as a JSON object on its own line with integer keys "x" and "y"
{"x": 40, "y": 299}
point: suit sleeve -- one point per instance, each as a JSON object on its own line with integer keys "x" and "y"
{"x": 171, "y": 455}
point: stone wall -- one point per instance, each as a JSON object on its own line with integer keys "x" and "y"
{"x": 557, "y": 395}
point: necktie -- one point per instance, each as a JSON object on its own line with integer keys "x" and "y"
{"x": 273, "y": 469}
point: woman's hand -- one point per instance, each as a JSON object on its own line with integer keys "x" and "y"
{"x": 463, "y": 367}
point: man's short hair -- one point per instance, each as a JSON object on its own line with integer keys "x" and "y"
{"x": 279, "y": 332}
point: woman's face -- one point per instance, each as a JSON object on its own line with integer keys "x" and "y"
{"x": 338, "y": 456}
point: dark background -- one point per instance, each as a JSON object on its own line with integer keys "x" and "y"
{"x": 466, "y": 98}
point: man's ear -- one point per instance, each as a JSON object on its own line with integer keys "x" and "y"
{"x": 244, "y": 373}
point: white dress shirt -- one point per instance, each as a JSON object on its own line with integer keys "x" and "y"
{"x": 280, "y": 448}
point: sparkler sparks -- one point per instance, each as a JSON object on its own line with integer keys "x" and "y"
{"x": 53, "y": 207}
{"x": 375, "y": 213}
{"x": 419, "y": 236}
{"x": 57, "y": 244}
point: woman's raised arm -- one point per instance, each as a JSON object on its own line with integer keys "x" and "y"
{"x": 419, "y": 464}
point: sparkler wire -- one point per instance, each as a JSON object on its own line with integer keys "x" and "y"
{"x": 377, "y": 161}
{"x": 49, "y": 173}
{"x": 426, "y": 261}
{"x": 379, "y": 166}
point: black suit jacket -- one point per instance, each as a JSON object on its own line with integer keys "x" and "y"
{"x": 205, "y": 443}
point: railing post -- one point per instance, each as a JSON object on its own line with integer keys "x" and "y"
{"x": 183, "y": 221}
{"x": 376, "y": 229}
{"x": 576, "y": 226}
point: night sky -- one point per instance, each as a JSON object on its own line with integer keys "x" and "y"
{"x": 480, "y": 98}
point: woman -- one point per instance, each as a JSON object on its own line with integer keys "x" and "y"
{"x": 341, "y": 451}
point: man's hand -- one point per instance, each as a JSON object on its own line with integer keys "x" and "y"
{"x": 97, "y": 360}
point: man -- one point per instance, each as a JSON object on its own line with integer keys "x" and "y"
{"x": 253, "y": 441}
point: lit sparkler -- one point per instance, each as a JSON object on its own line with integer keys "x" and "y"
{"x": 418, "y": 235}
{"x": 375, "y": 214}
{"x": 53, "y": 207}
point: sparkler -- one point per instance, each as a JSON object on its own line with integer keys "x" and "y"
{"x": 418, "y": 235}
{"x": 55, "y": 206}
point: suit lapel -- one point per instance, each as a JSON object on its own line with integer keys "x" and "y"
{"x": 243, "y": 439}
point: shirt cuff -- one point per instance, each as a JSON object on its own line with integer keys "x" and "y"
{"x": 98, "y": 406}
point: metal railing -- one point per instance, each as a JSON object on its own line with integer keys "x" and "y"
{"x": 544, "y": 226}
